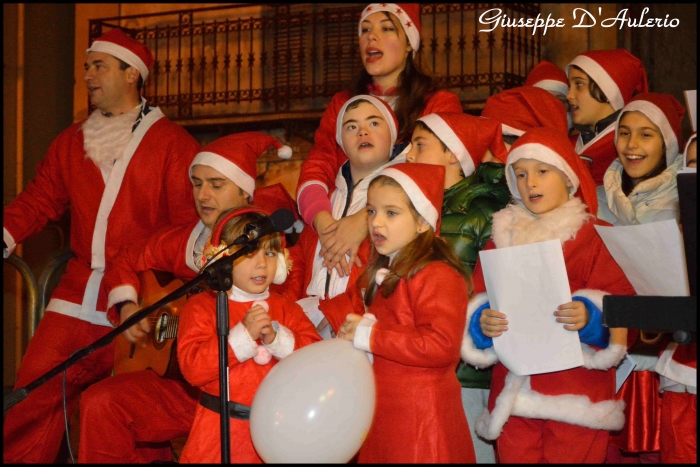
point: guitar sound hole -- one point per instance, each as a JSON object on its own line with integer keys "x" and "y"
{"x": 161, "y": 328}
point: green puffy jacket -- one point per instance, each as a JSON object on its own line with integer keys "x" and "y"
{"x": 466, "y": 223}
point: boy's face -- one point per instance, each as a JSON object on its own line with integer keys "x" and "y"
{"x": 255, "y": 272}
{"x": 690, "y": 158}
{"x": 366, "y": 139}
{"x": 426, "y": 148}
{"x": 214, "y": 193}
{"x": 542, "y": 186}
{"x": 585, "y": 110}
{"x": 640, "y": 145}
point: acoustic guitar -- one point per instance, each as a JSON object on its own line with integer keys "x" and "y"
{"x": 159, "y": 353}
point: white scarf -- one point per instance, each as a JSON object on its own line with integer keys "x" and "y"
{"x": 105, "y": 138}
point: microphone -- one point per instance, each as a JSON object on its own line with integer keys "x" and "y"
{"x": 684, "y": 337}
{"x": 279, "y": 221}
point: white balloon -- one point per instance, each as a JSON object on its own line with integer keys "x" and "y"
{"x": 316, "y": 405}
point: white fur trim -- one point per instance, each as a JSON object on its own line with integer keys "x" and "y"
{"x": 675, "y": 371}
{"x": 285, "y": 152}
{"x": 75, "y": 310}
{"x": 470, "y": 354}
{"x": 9, "y": 241}
{"x": 281, "y": 271}
{"x": 422, "y": 204}
{"x": 541, "y": 153}
{"x": 603, "y": 359}
{"x": 490, "y": 425}
{"x": 121, "y": 53}
{"x": 552, "y": 85}
{"x": 227, "y": 168}
{"x": 451, "y": 140}
{"x": 244, "y": 347}
{"x": 262, "y": 356}
{"x": 406, "y": 22}
{"x": 509, "y": 130}
{"x": 393, "y": 131}
{"x": 601, "y": 77}
{"x": 191, "y": 244}
{"x": 120, "y": 294}
{"x": 658, "y": 117}
{"x": 363, "y": 332}
{"x": 310, "y": 307}
{"x": 283, "y": 345}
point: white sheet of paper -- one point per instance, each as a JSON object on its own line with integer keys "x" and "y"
{"x": 528, "y": 283}
{"x": 651, "y": 256}
{"x": 623, "y": 371}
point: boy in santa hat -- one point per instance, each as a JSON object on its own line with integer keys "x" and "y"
{"x": 262, "y": 324}
{"x": 551, "y": 78}
{"x": 140, "y": 406}
{"x": 474, "y": 190}
{"x": 123, "y": 172}
{"x": 601, "y": 82}
{"x": 563, "y": 416}
{"x": 366, "y": 131}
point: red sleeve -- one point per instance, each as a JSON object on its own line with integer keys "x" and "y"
{"x": 296, "y": 321}
{"x": 442, "y": 101}
{"x": 435, "y": 338}
{"x": 337, "y": 308}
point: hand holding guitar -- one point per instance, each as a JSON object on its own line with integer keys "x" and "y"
{"x": 138, "y": 333}
{"x": 259, "y": 324}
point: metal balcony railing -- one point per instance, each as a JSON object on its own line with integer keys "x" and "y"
{"x": 249, "y": 60}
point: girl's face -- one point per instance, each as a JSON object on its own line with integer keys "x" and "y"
{"x": 640, "y": 145}
{"x": 255, "y": 272}
{"x": 383, "y": 48}
{"x": 392, "y": 224}
{"x": 585, "y": 110}
{"x": 542, "y": 186}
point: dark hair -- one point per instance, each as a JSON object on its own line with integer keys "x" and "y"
{"x": 235, "y": 226}
{"x": 510, "y": 139}
{"x": 593, "y": 88}
{"x": 413, "y": 88}
{"x": 123, "y": 66}
{"x": 424, "y": 249}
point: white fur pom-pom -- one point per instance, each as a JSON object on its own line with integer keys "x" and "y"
{"x": 285, "y": 152}
{"x": 381, "y": 275}
{"x": 262, "y": 356}
{"x": 281, "y": 272}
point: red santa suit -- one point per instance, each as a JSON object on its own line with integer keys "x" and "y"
{"x": 198, "y": 353}
{"x": 562, "y": 416}
{"x": 148, "y": 187}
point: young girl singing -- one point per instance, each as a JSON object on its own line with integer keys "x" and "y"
{"x": 416, "y": 292}
{"x": 264, "y": 328}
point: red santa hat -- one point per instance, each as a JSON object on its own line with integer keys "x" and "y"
{"x": 235, "y": 156}
{"x": 548, "y": 76}
{"x": 408, "y": 15}
{"x": 126, "y": 49}
{"x": 468, "y": 137}
{"x": 523, "y": 108}
{"x": 665, "y": 112}
{"x": 552, "y": 147}
{"x": 692, "y": 138}
{"x": 618, "y": 73}
{"x": 424, "y": 185}
{"x": 382, "y": 106}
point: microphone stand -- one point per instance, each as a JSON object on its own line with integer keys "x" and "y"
{"x": 218, "y": 276}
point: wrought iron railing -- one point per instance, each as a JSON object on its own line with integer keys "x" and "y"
{"x": 249, "y": 60}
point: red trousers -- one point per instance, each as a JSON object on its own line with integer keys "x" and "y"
{"x": 679, "y": 434}
{"x": 34, "y": 427}
{"x": 131, "y": 417}
{"x": 536, "y": 441}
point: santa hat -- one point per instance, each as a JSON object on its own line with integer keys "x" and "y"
{"x": 382, "y": 106}
{"x": 408, "y": 15}
{"x": 553, "y": 148}
{"x": 217, "y": 244}
{"x": 523, "y": 108}
{"x": 424, "y": 185}
{"x": 618, "y": 73}
{"x": 126, "y": 49}
{"x": 665, "y": 112}
{"x": 235, "y": 156}
{"x": 468, "y": 137}
{"x": 692, "y": 138}
{"x": 548, "y": 76}
{"x": 276, "y": 196}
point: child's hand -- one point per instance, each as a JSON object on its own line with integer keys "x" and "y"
{"x": 493, "y": 323}
{"x": 347, "y": 329}
{"x": 259, "y": 324}
{"x": 344, "y": 237}
{"x": 574, "y": 314}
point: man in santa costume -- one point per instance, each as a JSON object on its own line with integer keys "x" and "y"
{"x": 140, "y": 406}
{"x": 563, "y": 416}
{"x": 123, "y": 172}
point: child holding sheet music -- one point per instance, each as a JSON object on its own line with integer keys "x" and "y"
{"x": 564, "y": 416}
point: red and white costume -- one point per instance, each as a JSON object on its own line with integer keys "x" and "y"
{"x": 198, "y": 354}
{"x": 562, "y": 416}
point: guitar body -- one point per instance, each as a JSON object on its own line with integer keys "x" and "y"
{"x": 159, "y": 353}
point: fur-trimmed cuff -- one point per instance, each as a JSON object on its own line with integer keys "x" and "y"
{"x": 244, "y": 347}
{"x": 9, "y": 241}
{"x": 363, "y": 332}
{"x": 470, "y": 354}
{"x": 603, "y": 359}
{"x": 123, "y": 293}
{"x": 490, "y": 425}
{"x": 283, "y": 345}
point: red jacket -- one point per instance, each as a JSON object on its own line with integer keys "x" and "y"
{"x": 600, "y": 152}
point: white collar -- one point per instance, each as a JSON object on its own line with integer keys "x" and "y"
{"x": 238, "y": 295}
